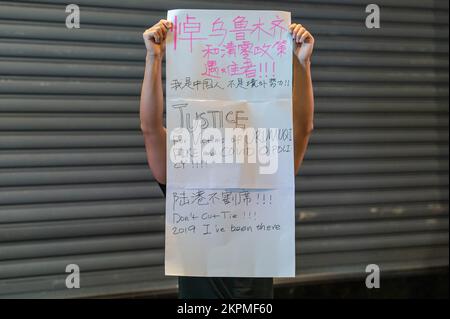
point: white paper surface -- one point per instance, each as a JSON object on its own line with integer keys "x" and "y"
{"x": 235, "y": 174}
{"x": 230, "y": 233}
{"x": 229, "y": 55}
{"x": 228, "y": 70}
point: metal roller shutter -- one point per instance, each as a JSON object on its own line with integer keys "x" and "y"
{"x": 75, "y": 188}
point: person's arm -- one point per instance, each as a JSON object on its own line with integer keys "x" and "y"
{"x": 302, "y": 94}
{"x": 151, "y": 103}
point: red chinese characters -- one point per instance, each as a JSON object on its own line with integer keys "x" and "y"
{"x": 233, "y": 47}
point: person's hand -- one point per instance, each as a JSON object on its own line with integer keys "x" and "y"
{"x": 303, "y": 43}
{"x": 155, "y": 38}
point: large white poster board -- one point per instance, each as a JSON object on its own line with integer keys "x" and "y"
{"x": 230, "y": 172}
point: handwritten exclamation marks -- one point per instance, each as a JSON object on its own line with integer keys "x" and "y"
{"x": 263, "y": 199}
{"x": 250, "y": 215}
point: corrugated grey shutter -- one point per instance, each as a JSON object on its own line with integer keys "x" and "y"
{"x": 75, "y": 188}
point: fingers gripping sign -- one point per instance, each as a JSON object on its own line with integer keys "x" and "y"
{"x": 304, "y": 42}
{"x": 155, "y": 38}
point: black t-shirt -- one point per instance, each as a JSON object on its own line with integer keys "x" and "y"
{"x": 223, "y": 287}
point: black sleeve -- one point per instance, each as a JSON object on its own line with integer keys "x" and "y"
{"x": 163, "y": 188}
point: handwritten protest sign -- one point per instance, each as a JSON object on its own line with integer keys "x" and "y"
{"x": 217, "y": 232}
{"x": 272, "y": 149}
{"x": 229, "y": 55}
{"x": 230, "y": 180}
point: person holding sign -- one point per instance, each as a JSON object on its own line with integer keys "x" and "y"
{"x": 155, "y": 134}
